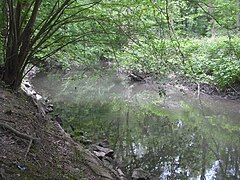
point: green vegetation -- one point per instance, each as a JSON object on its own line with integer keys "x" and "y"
{"x": 213, "y": 61}
{"x": 196, "y": 39}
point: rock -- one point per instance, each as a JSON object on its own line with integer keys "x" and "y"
{"x": 140, "y": 174}
{"x": 101, "y": 152}
{"x": 121, "y": 174}
{"x": 97, "y": 167}
{"x": 106, "y": 155}
{"x": 85, "y": 141}
{"x": 49, "y": 108}
{"x": 107, "y": 163}
{"x": 104, "y": 144}
{"x": 100, "y": 171}
{"x": 27, "y": 85}
{"x": 109, "y": 159}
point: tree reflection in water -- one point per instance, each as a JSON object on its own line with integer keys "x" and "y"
{"x": 183, "y": 143}
{"x": 165, "y": 146}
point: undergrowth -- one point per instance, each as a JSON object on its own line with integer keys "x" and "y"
{"x": 212, "y": 61}
{"x": 202, "y": 60}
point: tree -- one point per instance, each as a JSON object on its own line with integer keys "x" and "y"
{"x": 212, "y": 22}
{"x": 238, "y": 15}
{"x": 26, "y": 30}
{"x": 17, "y": 40}
{"x": 150, "y": 31}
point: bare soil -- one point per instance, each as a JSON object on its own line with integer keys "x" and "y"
{"x": 232, "y": 92}
{"x": 35, "y": 148}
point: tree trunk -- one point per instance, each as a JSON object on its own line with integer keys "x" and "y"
{"x": 212, "y": 22}
{"x": 169, "y": 14}
{"x": 12, "y": 41}
{"x": 17, "y": 43}
{"x": 238, "y": 16}
{"x": 10, "y": 76}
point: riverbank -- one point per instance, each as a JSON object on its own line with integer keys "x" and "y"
{"x": 45, "y": 151}
{"x": 230, "y": 92}
{"x": 33, "y": 147}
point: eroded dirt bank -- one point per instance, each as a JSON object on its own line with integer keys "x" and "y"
{"x": 35, "y": 148}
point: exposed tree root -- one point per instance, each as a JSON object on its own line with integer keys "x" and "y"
{"x": 19, "y": 134}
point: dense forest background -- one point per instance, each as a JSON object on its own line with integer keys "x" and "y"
{"x": 192, "y": 38}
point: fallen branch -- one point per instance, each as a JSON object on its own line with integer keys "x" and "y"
{"x": 234, "y": 89}
{"x": 28, "y": 149}
{"x": 17, "y": 133}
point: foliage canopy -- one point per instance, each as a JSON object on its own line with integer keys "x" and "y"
{"x": 150, "y": 36}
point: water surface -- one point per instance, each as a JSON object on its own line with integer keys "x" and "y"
{"x": 177, "y": 136}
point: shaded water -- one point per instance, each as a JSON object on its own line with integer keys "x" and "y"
{"x": 176, "y": 136}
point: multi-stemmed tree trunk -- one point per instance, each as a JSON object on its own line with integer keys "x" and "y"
{"x": 25, "y": 33}
{"x": 18, "y": 43}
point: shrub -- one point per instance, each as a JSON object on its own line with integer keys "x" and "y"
{"x": 213, "y": 61}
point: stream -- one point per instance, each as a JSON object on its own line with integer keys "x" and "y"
{"x": 174, "y": 136}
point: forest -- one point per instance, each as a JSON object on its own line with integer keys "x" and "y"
{"x": 150, "y": 87}
{"x": 195, "y": 39}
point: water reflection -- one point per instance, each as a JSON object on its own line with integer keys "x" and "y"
{"x": 173, "y": 137}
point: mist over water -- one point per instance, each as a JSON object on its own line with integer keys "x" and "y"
{"x": 177, "y": 136}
